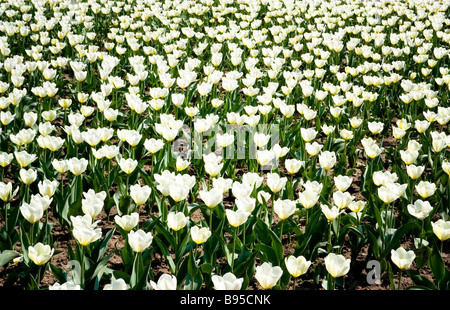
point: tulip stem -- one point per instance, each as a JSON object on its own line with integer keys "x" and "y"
{"x": 281, "y": 231}
{"x": 399, "y": 280}
{"x": 82, "y": 267}
{"x": 234, "y": 249}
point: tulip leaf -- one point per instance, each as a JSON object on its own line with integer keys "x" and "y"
{"x": 166, "y": 253}
{"x": 160, "y": 229}
{"x": 420, "y": 281}
{"x": 7, "y": 255}
{"x": 437, "y": 264}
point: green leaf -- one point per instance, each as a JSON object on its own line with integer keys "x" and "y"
{"x": 437, "y": 264}
{"x": 7, "y": 256}
{"x": 166, "y": 253}
{"x": 420, "y": 281}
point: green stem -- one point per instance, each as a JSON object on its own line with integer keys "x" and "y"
{"x": 234, "y": 249}
{"x": 399, "y": 280}
{"x": 82, "y": 266}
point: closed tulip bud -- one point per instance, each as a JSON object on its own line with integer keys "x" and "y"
{"x": 127, "y": 222}
{"x": 387, "y": 195}
{"x": 40, "y": 253}
{"x": 402, "y": 259}
{"x": 140, "y": 194}
{"x": 268, "y": 275}
{"x": 346, "y": 134}
{"x": 337, "y": 265}
{"x": 27, "y": 176}
{"x": 398, "y": 133}
{"x": 200, "y": 235}
{"x": 438, "y": 141}
{"x": 140, "y": 240}
{"x": 177, "y": 220}
{"x": 297, "y": 266}
{"x": 227, "y": 282}
{"x": 284, "y": 208}
{"x": 425, "y": 189}
{"x": 92, "y": 203}
{"x": 237, "y": 218}
{"x": 441, "y": 229}
{"x": 165, "y": 282}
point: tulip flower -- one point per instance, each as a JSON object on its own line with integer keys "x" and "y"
{"x": 85, "y": 235}
{"x": 200, "y": 235}
{"x": 227, "y": 282}
{"x": 402, "y": 259}
{"x": 127, "y": 222}
{"x": 284, "y": 208}
{"x": 165, "y": 282}
{"x": 275, "y": 182}
{"x": 177, "y": 220}
{"x": 116, "y": 285}
{"x": 40, "y": 253}
{"x": 236, "y": 218}
{"x": 66, "y": 286}
{"x": 140, "y": 194}
{"x": 268, "y": 275}
{"x": 420, "y": 209}
{"x": 327, "y": 160}
{"x": 342, "y": 182}
{"x": 212, "y": 197}
{"x": 297, "y": 266}
{"x": 128, "y": 165}
{"x": 441, "y": 229}
{"x": 337, "y": 266}
{"x": 425, "y": 189}
{"x": 6, "y": 191}
{"x": 140, "y": 240}
{"x": 32, "y": 211}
